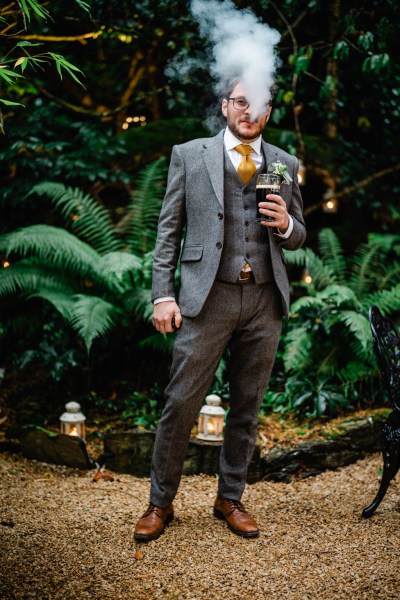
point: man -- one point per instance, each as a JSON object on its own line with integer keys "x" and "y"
{"x": 234, "y": 291}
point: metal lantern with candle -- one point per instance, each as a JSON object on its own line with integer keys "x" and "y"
{"x": 211, "y": 420}
{"x": 73, "y": 421}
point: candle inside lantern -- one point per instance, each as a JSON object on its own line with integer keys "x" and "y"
{"x": 210, "y": 426}
{"x": 211, "y": 420}
{"x": 73, "y": 421}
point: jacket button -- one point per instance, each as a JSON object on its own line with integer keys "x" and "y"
{"x": 246, "y": 208}
{"x": 219, "y": 245}
{"x": 220, "y": 216}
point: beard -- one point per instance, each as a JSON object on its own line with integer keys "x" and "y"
{"x": 243, "y": 135}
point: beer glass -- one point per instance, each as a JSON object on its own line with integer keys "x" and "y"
{"x": 267, "y": 183}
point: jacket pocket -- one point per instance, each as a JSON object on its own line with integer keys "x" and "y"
{"x": 191, "y": 253}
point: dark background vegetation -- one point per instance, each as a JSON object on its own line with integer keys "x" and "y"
{"x": 83, "y": 170}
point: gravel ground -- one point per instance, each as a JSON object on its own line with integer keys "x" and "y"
{"x": 64, "y": 536}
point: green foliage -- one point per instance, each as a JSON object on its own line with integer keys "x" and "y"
{"x": 136, "y": 409}
{"x": 81, "y": 213}
{"x": 92, "y": 288}
{"x": 327, "y": 361}
{"x": 74, "y": 137}
{"x": 140, "y": 226}
{"x": 52, "y": 354}
{"x": 10, "y": 62}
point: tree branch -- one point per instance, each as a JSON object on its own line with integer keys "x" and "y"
{"x": 74, "y": 107}
{"x": 23, "y": 15}
{"x": 84, "y": 111}
{"x": 57, "y": 38}
{"x": 295, "y": 110}
{"x": 352, "y": 188}
{"x": 134, "y": 75}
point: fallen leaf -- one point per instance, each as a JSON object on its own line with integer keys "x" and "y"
{"x": 104, "y": 475}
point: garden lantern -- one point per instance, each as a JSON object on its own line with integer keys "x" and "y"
{"x": 73, "y": 421}
{"x": 211, "y": 420}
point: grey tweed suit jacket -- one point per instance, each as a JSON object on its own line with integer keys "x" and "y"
{"x": 194, "y": 206}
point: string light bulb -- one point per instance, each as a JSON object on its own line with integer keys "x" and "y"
{"x": 330, "y": 204}
{"x": 306, "y": 277}
{"x": 301, "y": 174}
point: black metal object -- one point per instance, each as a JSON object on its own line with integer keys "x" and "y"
{"x": 387, "y": 349}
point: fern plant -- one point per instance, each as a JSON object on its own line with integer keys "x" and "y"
{"x": 327, "y": 357}
{"x": 97, "y": 274}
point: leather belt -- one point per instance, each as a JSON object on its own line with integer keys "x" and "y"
{"x": 246, "y": 277}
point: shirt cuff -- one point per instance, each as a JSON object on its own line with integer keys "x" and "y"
{"x": 164, "y": 299}
{"x": 288, "y": 233}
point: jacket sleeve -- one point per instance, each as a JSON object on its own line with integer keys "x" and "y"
{"x": 170, "y": 227}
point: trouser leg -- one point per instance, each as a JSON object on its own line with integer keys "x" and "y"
{"x": 198, "y": 348}
{"x": 253, "y": 349}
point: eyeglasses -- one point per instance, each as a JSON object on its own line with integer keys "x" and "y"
{"x": 241, "y": 103}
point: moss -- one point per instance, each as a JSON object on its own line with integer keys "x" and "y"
{"x": 337, "y": 429}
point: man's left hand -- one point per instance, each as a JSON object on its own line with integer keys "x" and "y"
{"x": 275, "y": 208}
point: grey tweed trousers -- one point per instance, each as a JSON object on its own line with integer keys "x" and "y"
{"x": 247, "y": 318}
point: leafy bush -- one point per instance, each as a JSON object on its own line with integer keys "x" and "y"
{"x": 326, "y": 359}
{"x": 97, "y": 274}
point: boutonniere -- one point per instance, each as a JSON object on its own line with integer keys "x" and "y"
{"x": 278, "y": 168}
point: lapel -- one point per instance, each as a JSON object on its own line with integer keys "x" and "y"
{"x": 213, "y": 155}
{"x": 270, "y": 154}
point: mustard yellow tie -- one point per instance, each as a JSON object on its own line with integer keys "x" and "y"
{"x": 247, "y": 167}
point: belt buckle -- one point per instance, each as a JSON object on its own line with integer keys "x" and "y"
{"x": 245, "y": 276}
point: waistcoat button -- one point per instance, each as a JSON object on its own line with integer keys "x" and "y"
{"x": 219, "y": 245}
{"x": 220, "y": 216}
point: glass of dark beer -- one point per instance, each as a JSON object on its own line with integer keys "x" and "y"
{"x": 267, "y": 183}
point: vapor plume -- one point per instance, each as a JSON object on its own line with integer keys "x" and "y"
{"x": 242, "y": 47}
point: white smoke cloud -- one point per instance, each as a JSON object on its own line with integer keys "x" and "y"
{"x": 242, "y": 47}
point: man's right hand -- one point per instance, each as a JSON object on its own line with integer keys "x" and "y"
{"x": 163, "y": 314}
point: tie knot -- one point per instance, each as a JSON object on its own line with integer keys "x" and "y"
{"x": 243, "y": 149}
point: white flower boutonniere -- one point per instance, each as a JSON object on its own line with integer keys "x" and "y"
{"x": 278, "y": 168}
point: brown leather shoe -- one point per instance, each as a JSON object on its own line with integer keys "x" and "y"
{"x": 239, "y": 521}
{"x": 152, "y": 523}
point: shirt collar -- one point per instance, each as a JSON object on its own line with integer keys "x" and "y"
{"x": 231, "y": 141}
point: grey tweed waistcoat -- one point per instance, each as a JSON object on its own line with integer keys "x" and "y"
{"x": 245, "y": 240}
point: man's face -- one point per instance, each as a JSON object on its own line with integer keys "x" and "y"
{"x": 239, "y": 121}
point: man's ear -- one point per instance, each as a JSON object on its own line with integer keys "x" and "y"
{"x": 268, "y": 115}
{"x": 224, "y": 107}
